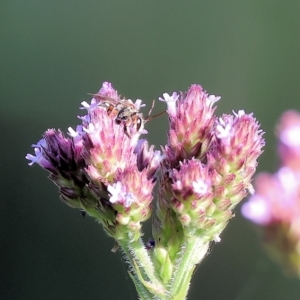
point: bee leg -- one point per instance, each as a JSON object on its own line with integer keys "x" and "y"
{"x": 126, "y": 131}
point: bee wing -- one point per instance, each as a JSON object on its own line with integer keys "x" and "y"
{"x": 116, "y": 102}
{"x": 105, "y": 99}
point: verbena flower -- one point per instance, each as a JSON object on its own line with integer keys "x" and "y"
{"x": 62, "y": 157}
{"x": 191, "y": 118}
{"x": 105, "y": 169}
{"x": 276, "y": 204}
{"x": 206, "y": 172}
{"x": 102, "y": 168}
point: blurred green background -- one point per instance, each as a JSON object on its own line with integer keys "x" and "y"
{"x": 55, "y": 52}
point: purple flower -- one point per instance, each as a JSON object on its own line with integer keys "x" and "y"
{"x": 171, "y": 102}
{"x": 103, "y": 168}
{"x": 38, "y": 158}
{"x": 191, "y": 122}
{"x": 120, "y": 195}
{"x": 275, "y": 206}
{"x": 288, "y": 133}
{"x": 106, "y": 170}
{"x": 61, "y": 156}
{"x": 208, "y": 164}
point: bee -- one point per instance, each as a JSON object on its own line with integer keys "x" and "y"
{"x": 124, "y": 111}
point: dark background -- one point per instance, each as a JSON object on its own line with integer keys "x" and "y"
{"x": 55, "y": 52}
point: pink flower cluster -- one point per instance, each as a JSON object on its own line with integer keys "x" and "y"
{"x": 276, "y": 203}
{"x": 105, "y": 169}
{"x": 208, "y": 165}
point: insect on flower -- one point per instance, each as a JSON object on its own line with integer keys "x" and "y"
{"x": 125, "y": 111}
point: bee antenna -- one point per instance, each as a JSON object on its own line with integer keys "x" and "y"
{"x": 92, "y": 94}
{"x": 155, "y": 116}
{"x": 148, "y": 118}
{"x": 150, "y": 111}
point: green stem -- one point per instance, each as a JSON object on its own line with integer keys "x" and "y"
{"x": 192, "y": 252}
{"x": 145, "y": 273}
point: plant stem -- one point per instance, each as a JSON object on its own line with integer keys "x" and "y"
{"x": 192, "y": 252}
{"x": 145, "y": 274}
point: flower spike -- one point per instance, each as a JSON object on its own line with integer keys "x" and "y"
{"x": 107, "y": 171}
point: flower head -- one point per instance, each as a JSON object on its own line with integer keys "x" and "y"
{"x": 61, "y": 156}
{"x": 102, "y": 168}
{"x": 276, "y": 204}
{"x": 237, "y": 146}
{"x": 288, "y": 133}
{"x": 193, "y": 195}
{"x": 209, "y": 162}
{"x": 191, "y": 121}
{"x": 107, "y": 148}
